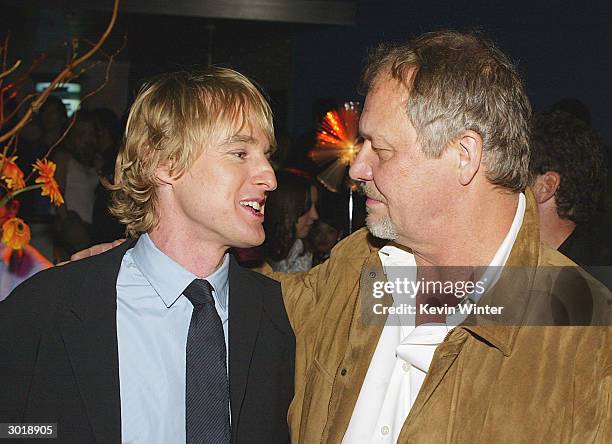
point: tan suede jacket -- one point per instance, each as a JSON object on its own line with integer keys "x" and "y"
{"x": 486, "y": 383}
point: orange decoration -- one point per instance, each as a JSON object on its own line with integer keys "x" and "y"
{"x": 16, "y": 235}
{"x": 11, "y": 173}
{"x": 46, "y": 170}
{"x": 337, "y": 144}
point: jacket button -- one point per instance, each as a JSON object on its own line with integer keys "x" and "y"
{"x": 343, "y": 372}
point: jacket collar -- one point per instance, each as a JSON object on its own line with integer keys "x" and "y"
{"x": 513, "y": 290}
{"x": 105, "y": 267}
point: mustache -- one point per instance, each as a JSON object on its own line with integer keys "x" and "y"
{"x": 370, "y": 191}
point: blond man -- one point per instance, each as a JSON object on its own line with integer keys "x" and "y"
{"x": 165, "y": 338}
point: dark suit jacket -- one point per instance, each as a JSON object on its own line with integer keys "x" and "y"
{"x": 59, "y": 356}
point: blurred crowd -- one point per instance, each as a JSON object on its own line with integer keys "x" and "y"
{"x": 85, "y": 157}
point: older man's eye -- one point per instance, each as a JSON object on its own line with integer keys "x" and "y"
{"x": 240, "y": 154}
{"x": 382, "y": 153}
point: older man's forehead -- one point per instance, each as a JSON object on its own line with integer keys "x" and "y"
{"x": 383, "y": 100}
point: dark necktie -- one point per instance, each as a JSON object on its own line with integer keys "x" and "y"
{"x": 207, "y": 387}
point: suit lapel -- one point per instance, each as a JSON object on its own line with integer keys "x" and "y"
{"x": 245, "y": 310}
{"x": 89, "y": 331}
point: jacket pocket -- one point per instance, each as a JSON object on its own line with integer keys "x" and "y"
{"x": 313, "y": 408}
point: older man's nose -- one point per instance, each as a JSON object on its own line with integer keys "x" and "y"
{"x": 361, "y": 168}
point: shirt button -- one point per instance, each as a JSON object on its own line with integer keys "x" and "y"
{"x": 384, "y": 430}
{"x": 406, "y": 367}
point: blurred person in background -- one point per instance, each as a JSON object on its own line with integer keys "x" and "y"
{"x": 329, "y": 229}
{"x": 78, "y": 179}
{"x": 290, "y": 214}
{"x": 575, "y": 107}
{"x": 108, "y": 133}
{"x": 323, "y": 237}
{"x": 568, "y": 171}
{"x": 105, "y": 227}
{"x": 53, "y": 118}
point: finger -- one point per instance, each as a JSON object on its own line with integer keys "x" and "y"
{"x": 82, "y": 254}
{"x": 96, "y": 249}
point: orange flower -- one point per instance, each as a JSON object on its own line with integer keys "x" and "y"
{"x": 46, "y": 170}
{"x": 16, "y": 235}
{"x": 11, "y": 173}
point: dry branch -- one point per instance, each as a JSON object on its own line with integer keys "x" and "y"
{"x": 60, "y": 78}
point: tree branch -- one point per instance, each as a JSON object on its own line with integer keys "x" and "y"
{"x": 9, "y": 71}
{"x": 66, "y": 72}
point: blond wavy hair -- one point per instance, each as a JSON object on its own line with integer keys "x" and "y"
{"x": 173, "y": 119}
{"x": 456, "y": 82}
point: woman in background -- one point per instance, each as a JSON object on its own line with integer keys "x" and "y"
{"x": 290, "y": 212}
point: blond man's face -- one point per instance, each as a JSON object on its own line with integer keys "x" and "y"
{"x": 221, "y": 197}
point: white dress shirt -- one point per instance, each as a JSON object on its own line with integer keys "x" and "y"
{"x": 404, "y": 352}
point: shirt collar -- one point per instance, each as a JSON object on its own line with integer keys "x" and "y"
{"x": 169, "y": 279}
{"x": 493, "y": 271}
{"x": 501, "y": 256}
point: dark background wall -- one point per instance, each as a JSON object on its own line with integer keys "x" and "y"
{"x": 562, "y": 49}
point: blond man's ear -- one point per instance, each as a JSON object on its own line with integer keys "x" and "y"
{"x": 162, "y": 173}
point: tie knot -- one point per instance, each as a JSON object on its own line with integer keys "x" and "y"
{"x": 199, "y": 292}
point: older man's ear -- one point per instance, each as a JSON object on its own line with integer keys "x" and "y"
{"x": 470, "y": 156}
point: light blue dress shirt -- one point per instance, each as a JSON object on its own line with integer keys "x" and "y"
{"x": 152, "y": 323}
